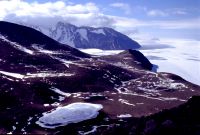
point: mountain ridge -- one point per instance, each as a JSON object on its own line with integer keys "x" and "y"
{"x": 87, "y": 37}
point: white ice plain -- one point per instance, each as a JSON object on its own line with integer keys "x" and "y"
{"x": 181, "y": 58}
{"x": 72, "y": 113}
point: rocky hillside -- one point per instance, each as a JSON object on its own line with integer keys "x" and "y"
{"x": 181, "y": 120}
{"x": 40, "y": 77}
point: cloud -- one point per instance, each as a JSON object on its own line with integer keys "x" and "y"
{"x": 123, "y": 6}
{"x": 47, "y": 14}
{"x": 58, "y": 8}
{"x": 158, "y": 24}
{"x": 178, "y": 11}
{"x": 178, "y": 24}
{"x": 90, "y": 15}
{"x": 166, "y": 12}
{"x": 157, "y": 12}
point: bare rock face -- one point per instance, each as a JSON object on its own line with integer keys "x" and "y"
{"x": 37, "y": 74}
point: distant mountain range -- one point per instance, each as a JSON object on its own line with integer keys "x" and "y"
{"x": 87, "y": 37}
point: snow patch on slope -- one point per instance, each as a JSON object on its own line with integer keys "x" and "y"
{"x": 100, "y": 52}
{"x": 17, "y": 46}
{"x": 56, "y": 90}
{"x": 83, "y": 33}
{"x": 42, "y": 50}
{"x": 72, "y": 113}
{"x": 124, "y": 116}
{"x": 15, "y": 75}
{"x": 35, "y": 75}
{"x": 98, "y": 31}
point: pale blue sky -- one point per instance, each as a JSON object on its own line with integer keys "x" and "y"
{"x": 190, "y": 7}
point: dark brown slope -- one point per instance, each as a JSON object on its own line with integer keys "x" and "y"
{"x": 32, "y": 70}
{"x": 180, "y": 120}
